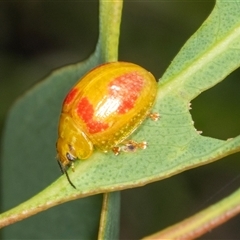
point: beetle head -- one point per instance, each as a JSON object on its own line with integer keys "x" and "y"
{"x": 72, "y": 144}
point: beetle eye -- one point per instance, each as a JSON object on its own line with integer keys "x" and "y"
{"x": 70, "y": 157}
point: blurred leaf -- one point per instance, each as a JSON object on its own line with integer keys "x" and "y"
{"x": 29, "y": 158}
{"x": 203, "y": 221}
{"x": 109, "y": 225}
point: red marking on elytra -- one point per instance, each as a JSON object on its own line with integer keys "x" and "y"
{"x": 70, "y": 97}
{"x": 127, "y": 89}
{"x": 86, "y": 112}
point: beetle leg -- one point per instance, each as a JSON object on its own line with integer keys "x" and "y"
{"x": 132, "y": 146}
{"x": 129, "y": 146}
{"x": 154, "y": 116}
{"x": 116, "y": 150}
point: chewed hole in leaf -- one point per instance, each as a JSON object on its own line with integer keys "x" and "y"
{"x": 216, "y": 111}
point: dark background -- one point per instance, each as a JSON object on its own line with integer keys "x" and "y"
{"x": 37, "y": 37}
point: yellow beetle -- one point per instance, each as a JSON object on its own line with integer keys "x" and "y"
{"x": 102, "y": 110}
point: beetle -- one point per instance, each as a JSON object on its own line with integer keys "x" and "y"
{"x": 102, "y": 110}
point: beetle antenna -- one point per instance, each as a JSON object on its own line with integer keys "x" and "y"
{"x": 64, "y": 171}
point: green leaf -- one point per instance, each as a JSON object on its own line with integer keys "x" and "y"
{"x": 174, "y": 145}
